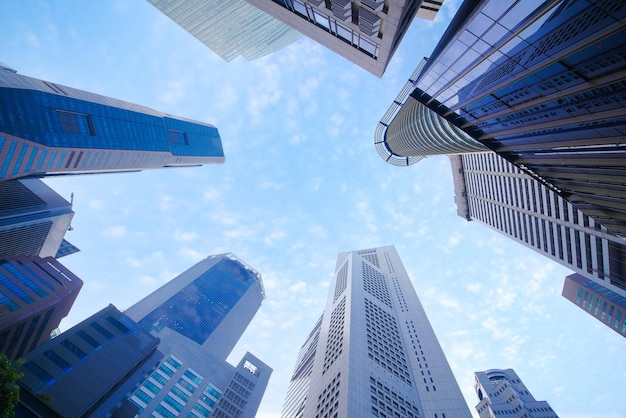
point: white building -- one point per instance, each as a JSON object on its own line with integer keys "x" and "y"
{"x": 501, "y": 393}
{"x": 373, "y": 351}
{"x": 494, "y": 192}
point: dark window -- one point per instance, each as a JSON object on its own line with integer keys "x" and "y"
{"x": 178, "y": 137}
{"x": 75, "y": 123}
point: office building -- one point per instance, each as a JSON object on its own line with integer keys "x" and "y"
{"x": 494, "y": 192}
{"x": 199, "y": 316}
{"x": 49, "y": 129}
{"x": 373, "y": 351}
{"x": 501, "y": 393}
{"x": 229, "y": 28}
{"x": 365, "y": 32}
{"x": 80, "y": 368}
{"x": 165, "y": 356}
{"x": 33, "y": 220}
{"x": 605, "y": 305}
{"x": 541, "y": 84}
{"x": 35, "y": 295}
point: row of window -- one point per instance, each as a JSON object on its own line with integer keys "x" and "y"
{"x": 605, "y": 311}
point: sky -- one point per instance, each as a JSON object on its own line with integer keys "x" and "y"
{"x": 302, "y": 182}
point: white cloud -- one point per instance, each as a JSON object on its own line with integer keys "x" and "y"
{"x": 117, "y": 231}
{"x": 185, "y": 236}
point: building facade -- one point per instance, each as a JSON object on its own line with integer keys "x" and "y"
{"x": 605, "y": 305}
{"x": 365, "y": 32}
{"x": 373, "y": 351}
{"x": 539, "y": 83}
{"x": 229, "y": 28}
{"x": 33, "y": 220}
{"x": 199, "y": 316}
{"x": 84, "y": 365}
{"x": 165, "y": 356}
{"x": 496, "y": 193}
{"x": 501, "y": 393}
{"x": 35, "y": 295}
{"x": 48, "y": 129}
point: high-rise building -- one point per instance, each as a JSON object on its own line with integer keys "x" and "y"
{"x": 80, "y": 368}
{"x": 373, "y": 352}
{"x": 199, "y": 316}
{"x": 33, "y": 220}
{"x": 35, "y": 295}
{"x": 501, "y": 394}
{"x": 539, "y": 83}
{"x": 165, "y": 356}
{"x": 229, "y": 27}
{"x": 49, "y": 129}
{"x": 496, "y": 193}
{"x": 365, "y": 32}
{"x": 605, "y": 305}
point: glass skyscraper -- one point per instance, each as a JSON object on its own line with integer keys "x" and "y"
{"x": 199, "y": 316}
{"x": 365, "y": 32}
{"x": 229, "y": 28}
{"x": 373, "y": 352}
{"x": 163, "y": 357}
{"x": 538, "y": 82}
{"x": 48, "y": 129}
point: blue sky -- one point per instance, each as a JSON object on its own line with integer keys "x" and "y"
{"x": 301, "y": 183}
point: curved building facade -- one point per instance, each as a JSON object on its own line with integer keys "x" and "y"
{"x": 433, "y": 135}
{"x": 541, "y": 84}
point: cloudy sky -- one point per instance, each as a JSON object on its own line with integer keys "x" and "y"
{"x": 301, "y": 183}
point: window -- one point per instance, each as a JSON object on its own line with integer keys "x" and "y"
{"x": 102, "y": 330}
{"x": 89, "y": 339}
{"x": 76, "y": 123}
{"x": 178, "y": 137}
{"x": 74, "y": 349}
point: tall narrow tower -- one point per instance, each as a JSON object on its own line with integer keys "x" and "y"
{"x": 373, "y": 351}
{"x": 199, "y": 316}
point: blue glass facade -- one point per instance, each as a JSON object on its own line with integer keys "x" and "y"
{"x": 198, "y": 309}
{"x": 46, "y": 128}
{"x": 540, "y": 83}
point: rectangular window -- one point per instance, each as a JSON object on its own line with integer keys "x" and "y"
{"x": 89, "y": 339}
{"x": 193, "y": 377}
{"x": 58, "y": 360}
{"x": 73, "y": 123}
{"x": 117, "y": 324}
{"x": 178, "y": 137}
{"x": 102, "y": 331}
{"x": 615, "y": 325}
{"x": 74, "y": 349}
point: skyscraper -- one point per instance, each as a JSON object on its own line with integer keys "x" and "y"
{"x": 365, "y": 32}
{"x": 494, "y": 192}
{"x": 165, "y": 356}
{"x": 229, "y": 27}
{"x": 199, "y": 316}
{"x": 33, "y": 219}
{"x": 49, "y": 129}
{"x": 605, "y": 305}
{"x": 540, "y": 84}
{"x": 501, "y": 393}
{"x": 35, "y": 295}
{"x": 373, "y": 351}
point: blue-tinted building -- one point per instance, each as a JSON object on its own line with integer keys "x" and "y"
{"x": 538, "y": 82}
{"x": 49, "y": 129}
{"x": 81, "y": 368}
{"x": 35, "y": 295}
{"x": 606, "y": 305}
{"x": 199, "y": 316}
{"x": 165, "y": 356}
